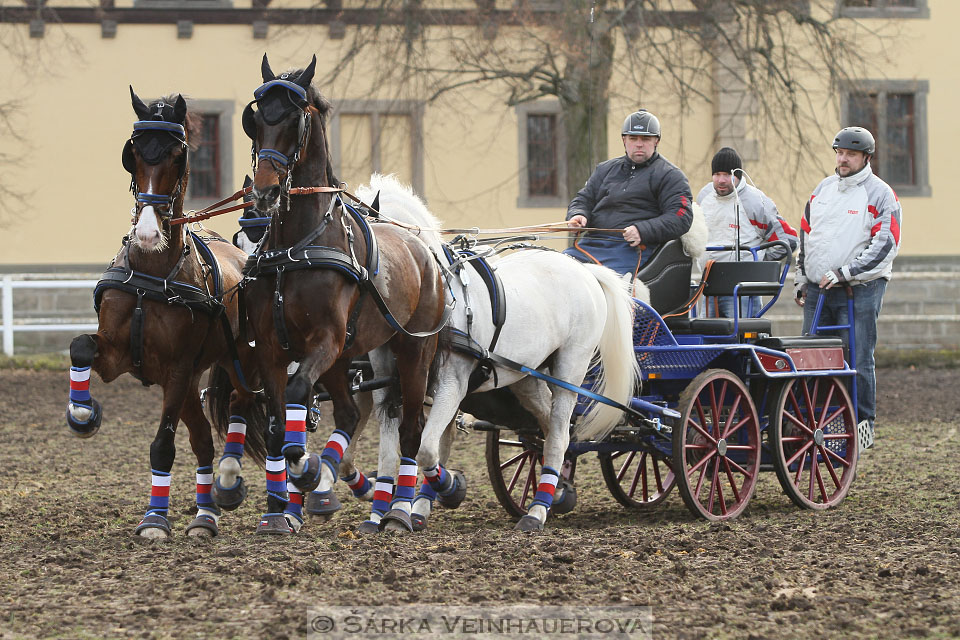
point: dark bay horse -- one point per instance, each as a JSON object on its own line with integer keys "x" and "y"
{"x": 329, "y": 287}
{"x": 164, "y": 319}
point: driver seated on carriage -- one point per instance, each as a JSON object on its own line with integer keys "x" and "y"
{"x": 640, "y": 192}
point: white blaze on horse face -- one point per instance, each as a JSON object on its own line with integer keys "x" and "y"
{"x": 149, "y": 236}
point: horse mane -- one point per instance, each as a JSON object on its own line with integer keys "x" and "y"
{"x": 323, "y": 107}
{"x": 399, "y": 202}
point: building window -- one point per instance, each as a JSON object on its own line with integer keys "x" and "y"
{"x": 883, "y": 9}
{"x": 211, "y": 161}
{"x": 895, "y": 112}
{"x": 383, "y": 136}
{"x": 542, "y": 151}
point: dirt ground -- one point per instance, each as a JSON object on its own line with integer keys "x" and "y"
{"x": 886, "y": 563}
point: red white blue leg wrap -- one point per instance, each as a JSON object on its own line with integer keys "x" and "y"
{"x": 295, "y": 503}
{"x": 440, "y": 481}
{"x": 359, "y": 484}
{"x": 204, "y": 485}
{"x": 80, "y": 386}
{"x": 296, "y": 427}
{"x": 406, "y": 482}
{"x": 382, "y": 495}
{"x": 159, "y": 493}
{"x": 333, "y": 450}
{"x": 548, "y": 485}
{"x": 277, "y": 478}
{"x": 236, "y": 437}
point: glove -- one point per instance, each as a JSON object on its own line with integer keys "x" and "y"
{"x": 799, "y": 292}
{"x": 832, "y": 279}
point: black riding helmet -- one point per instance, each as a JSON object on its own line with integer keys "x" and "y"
{"x": 641, "y": 123}
{"x": 856, "y": 139}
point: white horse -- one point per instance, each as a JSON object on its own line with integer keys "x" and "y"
{"x": 559, "y": 314}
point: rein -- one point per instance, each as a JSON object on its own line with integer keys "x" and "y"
{"x": 211, "y": 210}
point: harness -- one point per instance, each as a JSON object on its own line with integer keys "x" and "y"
{"x": 305, "y": 255}
{"x": 153, "y": 140}
{"x": 172, "y": 292}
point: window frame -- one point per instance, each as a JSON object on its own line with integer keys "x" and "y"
{"x": 524, "y": 199}
{"x": 224, "y": 110}
{"x": 882, "y": 10}
{"x": 375, "y": 109}
{"x": 919, "y": 89}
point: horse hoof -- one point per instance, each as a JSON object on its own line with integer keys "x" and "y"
{"x": 153, "y": 526}
{"x": 419, "y": 521}
{"x": 567, "y": 501}
{"x": 229, "y": 499}
{"x": 456, "y": 495}
{"x": 89, "y": 427}
{"x": 294, "y": 522}
{"x": 529, "y": 523}
{"x": 368, "y": 527}
{"x": 274, "y": 524}
{"x": 310, "y": 478}
{"x": 396, "y": 520}
{"x": 203, "y": 525}
{"x": 321, "y": 503}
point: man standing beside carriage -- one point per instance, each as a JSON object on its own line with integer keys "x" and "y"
{"x": 640, "y": 196}
{"x": 849, "y": 236}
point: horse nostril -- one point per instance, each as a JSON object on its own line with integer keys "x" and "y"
{"x": 273, "y": 193}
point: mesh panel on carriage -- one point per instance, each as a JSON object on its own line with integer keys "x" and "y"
{"x": 649, "y": 330}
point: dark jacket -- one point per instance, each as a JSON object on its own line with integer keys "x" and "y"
{"x": 655, "y": 196}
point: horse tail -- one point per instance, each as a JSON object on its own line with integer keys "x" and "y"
{"x": 619, "y": 373}
{"x": 218, "y": 403}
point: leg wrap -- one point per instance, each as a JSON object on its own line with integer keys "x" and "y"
{"x": 406, "y": 482}
{"x": 295, "y": 504}
{"x": 358, "y": 483}
{"x": 296, "y": 433}
{"x": 236, "y": 436}
{"x": 382, "y": 495}
{"x": 545, "y": 490}
{"x": 277, "y": 478}
{"x": 159, "y": 494}
{"x": 440, "y": 481}
{"x": 204, "y": 485}
{"x": 80, "y": 386}
{"x": 426, "y": 491}
{"x": 333, "y": 450}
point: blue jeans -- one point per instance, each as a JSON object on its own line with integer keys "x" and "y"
{"x": 867, "y": 300}
{"x": 725, "y": 304}
{"x": 614, "y": 253}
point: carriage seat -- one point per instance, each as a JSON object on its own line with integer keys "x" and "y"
{"x": 755, "y": 278}
{"x": 783, "y": 343}
{"x": 667, "y": 275}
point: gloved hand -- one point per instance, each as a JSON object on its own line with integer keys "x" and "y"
{"x": 832, "y": 279}
{"x": 799, "y": 293}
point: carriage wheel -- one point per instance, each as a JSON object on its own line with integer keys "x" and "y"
{"x": 637, "y": 479}
{"x": 514, "y": 469}
{"x": 814, "y": 441}
{"x": 716, "y": 447}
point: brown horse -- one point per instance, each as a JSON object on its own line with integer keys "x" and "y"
{"x": 163, "y": 318}
{"x": 329, "y": 287}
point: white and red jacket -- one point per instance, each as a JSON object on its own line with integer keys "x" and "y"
{"x": 851, "y": 224}
{"x": 759, "y": 222}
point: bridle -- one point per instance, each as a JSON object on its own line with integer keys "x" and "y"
{"x": 295, "y": 98}
{"x": 162, "y": 204}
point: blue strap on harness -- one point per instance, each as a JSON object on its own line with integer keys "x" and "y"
{"x": 289, "y": 86}
{"x": 273, "y": 154}
{"x": 158, "y": 125}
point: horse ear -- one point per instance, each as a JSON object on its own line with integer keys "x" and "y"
{"x": 180, "y": 110}
{"x": 143, "y": 113}
{"x": 266, "y": 71}
{"x": 376, "y": 202}
{"x": 307, "y": 76}
{"x": 247, "y": 181}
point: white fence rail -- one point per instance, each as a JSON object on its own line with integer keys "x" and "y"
{"x": 10, "y": 282}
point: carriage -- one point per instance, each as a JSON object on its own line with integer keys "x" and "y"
{"x": 721, "y": 399}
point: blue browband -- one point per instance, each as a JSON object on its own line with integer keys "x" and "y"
{"x": 254, "y": 222}
{"x": 153, "y": 199}
{"x": 273, "y": 154}
{"x": 158, "y": 125}
{"x": 289, "y": 86}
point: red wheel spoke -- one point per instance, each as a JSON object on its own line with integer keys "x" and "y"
{"x": 826, "y": 407}
{"x": 793, "y": 439}
{"x": 802, "y": 450}
{"x": 811, "y": 412}
{"x": 833, "y": 416}
{"x": 800, "y": 424}
{"x": 704, "y": 461}
{"x": 656, "y": 474}
{"x": 703, "y": 421}
{"x": 637, "y": 476}
{"x": 529, "y": 485}
{"x": 739, "y": 469}
{"x": 741, "y": 447}
{"x": 706, "y": 435}
{"x": 703, "y": 472}
{"x": 813, "y": 468}
{"x": 714, "y": 486}
{"x": 733, "y": 482}
{"x": 516, "y": 474}
{"x": 731, "y": 416}
{"x": 738, "y": 426}
{"x": 833, "y": 474}
{"x": 823, "y": 489}
{"x": 509, "y": 462}
{"x": 625, "y": 466}
{"x": 714, "y": 409}
{"x": 796, "y": 479}
{"x": 838, "y": 436}
{"x": 836, "y": 457}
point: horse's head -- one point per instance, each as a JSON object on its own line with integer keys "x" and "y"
{"x": 156, "y": 158}
{"x": 287, "y": 132}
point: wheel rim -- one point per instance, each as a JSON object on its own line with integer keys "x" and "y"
{"x": 514, "y": 469}
{"x": 815, "y": 441}
{"x": 637, "y": 479}
{"x": 717, "y": 446}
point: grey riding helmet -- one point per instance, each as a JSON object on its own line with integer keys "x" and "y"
{"x": 641, "y": 123}
{"x": 856, "y": 139}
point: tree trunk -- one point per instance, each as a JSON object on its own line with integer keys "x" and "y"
{"x": 585, "y": 98}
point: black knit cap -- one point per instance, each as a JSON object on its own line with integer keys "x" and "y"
{"x": 726, "y": 160}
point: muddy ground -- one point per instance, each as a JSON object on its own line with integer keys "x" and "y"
{"x": 883, "y": 564}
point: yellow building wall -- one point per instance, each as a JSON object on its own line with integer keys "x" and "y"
{"x": 76, "y": 116}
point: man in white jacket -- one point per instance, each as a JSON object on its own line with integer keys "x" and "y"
{"x": 759, "y": 221}
{"x": 849, "y": 235}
